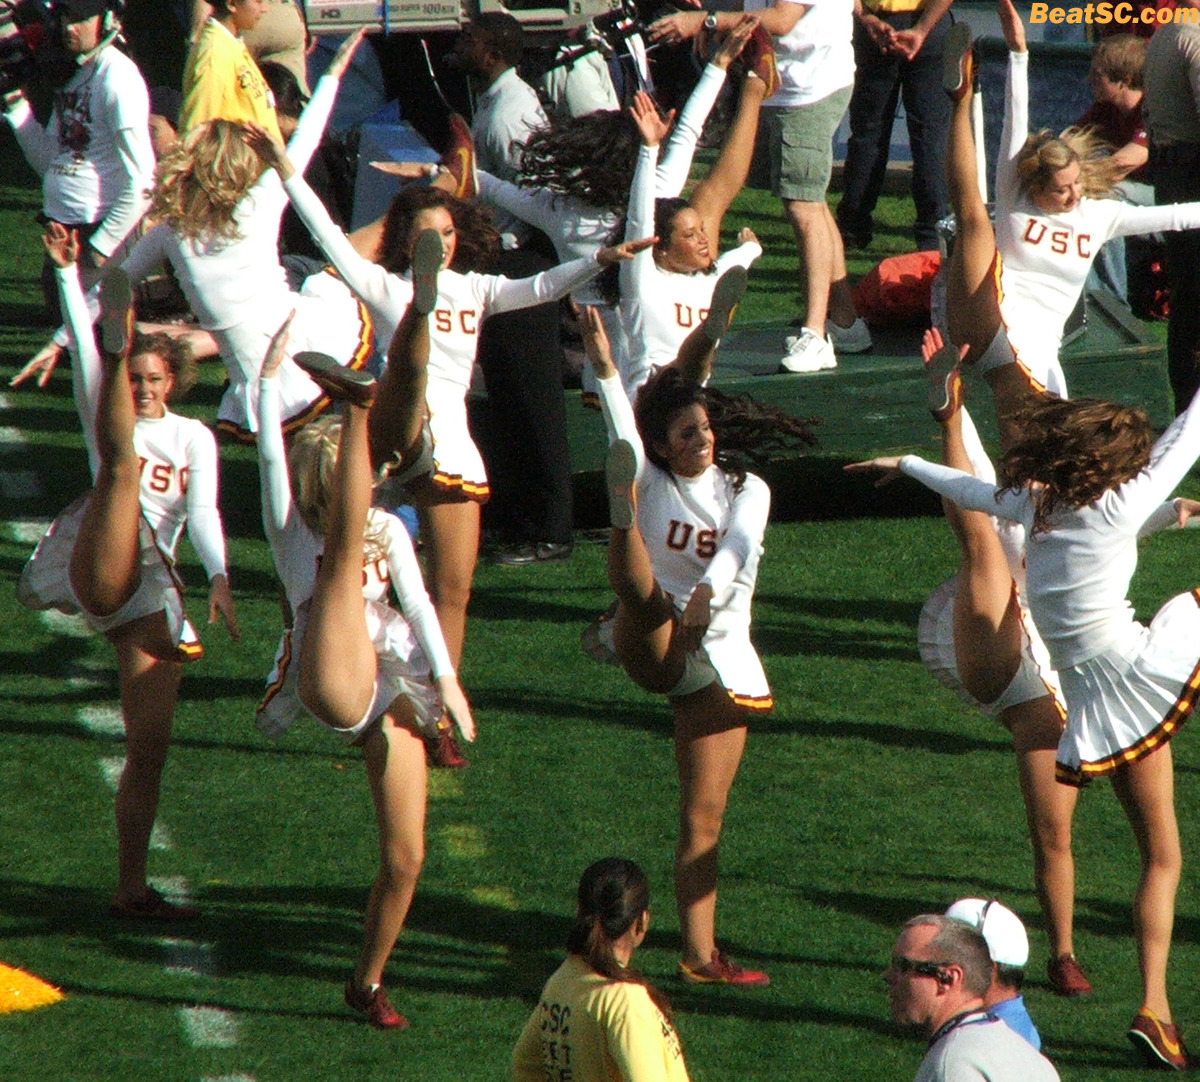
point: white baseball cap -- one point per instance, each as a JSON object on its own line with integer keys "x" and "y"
{"x": 1000, "y": 927}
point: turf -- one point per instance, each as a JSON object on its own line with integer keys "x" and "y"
{"x": 868, "y": 795}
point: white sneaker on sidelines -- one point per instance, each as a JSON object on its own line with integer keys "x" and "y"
{"x": 807, "y": 352}
{"x": 853, "y": 339}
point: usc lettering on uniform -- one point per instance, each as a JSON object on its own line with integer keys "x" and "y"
{"x": 1060, "y": 239}
{"x": 680, "y": 533}
{"x": 686, "y": 316}
{"x": 468, "y": 320}
{"x": 160, "y": 476}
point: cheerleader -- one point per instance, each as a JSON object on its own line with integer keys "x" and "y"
{"x": 378, "y": 677}
{"x": 218, "y": 215}
{"x": 682, "y": 560}
{"x": 1084, "y": 481}
{"x": 1011, "y": 289}
{"x": 111, "y": 555}
{"x": 449, "y": 494}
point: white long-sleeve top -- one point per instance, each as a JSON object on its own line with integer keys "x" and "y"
{"x": 661, "y": 307}
{"x": 1045, "y": 258}
{"x": 178, "y": 455}
{"x": 297, "y": 549}
{"x": 464, "y": 300}
{"x": 697, "y": 529}
{"x": 1077, "y": 573}
{"x": 94, "y": 155}
{"x": 579, "y": 229}
{"x": 229, "y": 282}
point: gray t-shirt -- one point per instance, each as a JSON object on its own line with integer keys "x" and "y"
{"x": 983, "y": 1049}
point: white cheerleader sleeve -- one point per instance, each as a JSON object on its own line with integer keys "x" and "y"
{"x": 743, "y": 535}
{"x": 415, "y": 604}
{"x": 1014, "y": 132}
{"x": 203, "y": 519}
{"x": 502, "y": 294}
{"x": 676, "y": 161}
{"x": 274, "y": 483}
{"x": 85, "y": 357}
{"x": 969, "y": 492}
{"x": 619, "y": 418}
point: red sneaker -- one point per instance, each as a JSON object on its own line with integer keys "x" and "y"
{"x": 459, "y": 160}
{"x": 152, "y": 906}
{"x": 958, "y": 62}
{"x": 373, "y": 1002}
{"x": 1067, "y": 978}
{"x": 443, "y": 751}
{"x": 1160, "y": 1043}
{"x": 722, "y": 971}
{"x": 758, "y": 54}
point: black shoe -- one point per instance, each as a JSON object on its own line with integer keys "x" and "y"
{"x": 541, "y": 552}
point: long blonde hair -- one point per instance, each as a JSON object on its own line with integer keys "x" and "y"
{"x": 1045, "y": 153}
{"x": 201, "y": 180}
{"x": 311, "y": 461}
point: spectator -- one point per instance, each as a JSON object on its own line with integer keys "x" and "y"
{"x": 815, "y": 60}
{"x": 1115, "y": 77}
{"x": 1008, "y": 945}
{"x": 520, "y": 352}
{"x": 897, "y": 51}
{"x": 938, "y": 977}
{"x": 1172, "y": 103}
{"x": 280, "y": 37}
{"x": 94, "y": 153}
{"x": 221, "y": 80}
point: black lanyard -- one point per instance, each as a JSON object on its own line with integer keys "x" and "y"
{"x": 967, "y": 1018}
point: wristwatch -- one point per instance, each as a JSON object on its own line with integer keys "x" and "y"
{"x": 710, "y": 21}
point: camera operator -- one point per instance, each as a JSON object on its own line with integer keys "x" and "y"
{"x": 94, "y": 154}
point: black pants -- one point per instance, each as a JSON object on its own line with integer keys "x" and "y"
{"x": 525, "y": 450}
{"x": 879, "y": 82}
{"x": 1176, "y": 173}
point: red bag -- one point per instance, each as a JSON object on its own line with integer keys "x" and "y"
{"x": 896, "y": 292}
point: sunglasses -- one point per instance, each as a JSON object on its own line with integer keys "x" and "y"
{"x": 918, "y": 967}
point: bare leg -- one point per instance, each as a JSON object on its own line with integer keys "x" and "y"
{"x": 710, "y": 735}
{"x": 713, "y": 195}
{"x": 450, "y": 525}
{"x": 1146, "y": 790}
{"x": 395, "y": 759}
{"x": 105, "y": 567}
{"x": 149, "y": 689}
{"x": 822, "y": 255}
{"x": 645, "y": 622}
{"x": 1049, "y": 806}
{"x": 337, "y": 659}
{"x": 398, "y": 412}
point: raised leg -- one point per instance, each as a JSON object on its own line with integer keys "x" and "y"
{"x": 105, "y": 567}
{"x": 710, "y": 735}
{"x": 337, "y": 659}
{"x": 395, "y": 760}
{"x": 398, "y": 412}
{"x": 1146, "y": 790}
{"x": 713, "y": 195}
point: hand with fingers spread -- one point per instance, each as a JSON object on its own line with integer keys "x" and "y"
{"x": 61, "y": 243}
{"x": 652, "y": 125}
{"x": 595, "y": 343}
{"x": 270, "y": 150}
{"x": 41, "y": 364}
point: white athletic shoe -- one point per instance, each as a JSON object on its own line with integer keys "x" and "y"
{"x": 853, "y": 339}
{"x": 807, "y": 352}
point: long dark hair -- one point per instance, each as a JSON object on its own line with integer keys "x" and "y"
{"x": 1075, "y": 451}
{"x": 613, "y": 893}
{"x": 478, "y": 242}
{"x": 590, "y": 157}
{"x": 744, "y": 429}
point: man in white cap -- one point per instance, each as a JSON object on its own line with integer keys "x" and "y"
{"x": 939, "y": 973}
{"x": 1008, "y": 945}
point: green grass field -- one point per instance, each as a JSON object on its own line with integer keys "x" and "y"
{"x": 870, "y": 794}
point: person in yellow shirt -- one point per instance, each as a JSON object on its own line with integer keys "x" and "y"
{"x": 597, "y": 1020}
{"x": 221, "y": 80}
